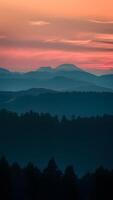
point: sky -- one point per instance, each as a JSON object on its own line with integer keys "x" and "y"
{"x": 36, "y": 33}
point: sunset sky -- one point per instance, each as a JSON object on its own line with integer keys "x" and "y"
{"x": 37, "y": 33}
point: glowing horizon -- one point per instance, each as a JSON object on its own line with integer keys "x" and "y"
{"x": 34, "y": 34}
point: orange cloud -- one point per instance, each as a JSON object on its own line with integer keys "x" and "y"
{"x": 39, "y": 23}
{"x": 100, "y": 21}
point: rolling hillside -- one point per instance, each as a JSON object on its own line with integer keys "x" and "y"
{"x": 58, "y": 103}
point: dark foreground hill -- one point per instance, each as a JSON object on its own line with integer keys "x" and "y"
{"x": 86, "y": 143}
{"x": 58, "y": 103}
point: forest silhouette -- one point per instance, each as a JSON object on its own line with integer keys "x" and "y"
{"x": 33, "y": 122}
{"x": 30, "y": 183}
{"x": 85, "y": 142}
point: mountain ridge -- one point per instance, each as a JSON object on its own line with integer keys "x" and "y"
{"x": 77, "y": 79}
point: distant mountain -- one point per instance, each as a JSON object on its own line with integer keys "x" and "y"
{"x": 3, "y": 71}
{"x": 68, "y": 67}
{"x": 46, "y": 69}
{"x": 62, "y": 83}
{"x": 58, "y": 103}
{"x": 106, "y": 81}
{"x": 66, "y": 77}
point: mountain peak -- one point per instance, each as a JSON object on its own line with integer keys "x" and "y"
{"x": 68, "y": 67}
{"x": 46, "y": 68}
{"x": 3, "y": 70}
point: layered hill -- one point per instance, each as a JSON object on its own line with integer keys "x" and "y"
{"x": 66, "y": 77}
{"x": 58, "y": 103}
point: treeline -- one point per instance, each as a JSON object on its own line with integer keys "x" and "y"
{"x": 30, "y": 183}
{"x": 85, "y": 142}
{"x": 46, "y": 123}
